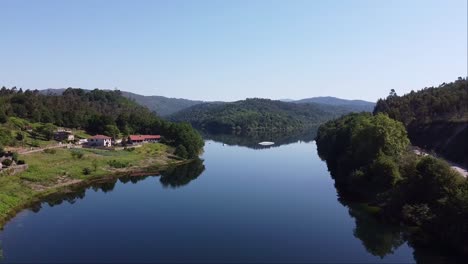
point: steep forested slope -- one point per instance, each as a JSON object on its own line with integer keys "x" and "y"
{"x": 436, "y": 117}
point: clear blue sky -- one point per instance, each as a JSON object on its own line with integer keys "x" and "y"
{"x": 229, "y": 50}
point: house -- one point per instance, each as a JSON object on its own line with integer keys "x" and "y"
{"x": 64, "y": 135}
{"x": 100, "y": 141}
{"x": 138, "y": 139}
{"x": 82, "y": 141}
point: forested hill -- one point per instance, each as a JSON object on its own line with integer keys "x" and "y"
{"x": 258, "y": 114}
{"x": 163, "y": 106}
{"x": 436, "y": 117}
{"x": 96, "y": 111}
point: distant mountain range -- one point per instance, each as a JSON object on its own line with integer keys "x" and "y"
{"x": 355, "y": 105}
{"x": 165, "y": 106}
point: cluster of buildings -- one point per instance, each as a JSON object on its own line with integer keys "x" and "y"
{"x": 102, "y": 140}
{"x": 105, "y": 141}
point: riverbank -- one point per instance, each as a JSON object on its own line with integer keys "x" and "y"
{"x": 57, "y": 171}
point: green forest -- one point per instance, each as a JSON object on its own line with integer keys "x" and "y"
{"x": 436, "y": 117}
{"x": 258, "y": 115}
{"x": 370, "y": 160}
{"x": 96, "y": 111}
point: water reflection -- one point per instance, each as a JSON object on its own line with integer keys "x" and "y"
{"x": 251, "y": 139}
{"x": 174, "y": 177}
{"x": 380, "y": 238}
{"x": 182, "y": 175}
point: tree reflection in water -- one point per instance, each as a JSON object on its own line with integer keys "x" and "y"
{"x": 252, "y": 138}
{"x": 378, "y": 238}
{"x": 174, "y": 177}
{"x": 182, "y": 175}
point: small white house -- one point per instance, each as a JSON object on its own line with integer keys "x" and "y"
{"x": 100, "y": 141}
{"x": 82, "y": 141}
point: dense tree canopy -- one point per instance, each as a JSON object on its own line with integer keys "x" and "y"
{"x": 364, "y": 146}
{"x": 258, "y": 115}
{"x": 448, "y": 102}
{"x": 368, "y": 157}
{"x": 436, "y": 117}
{"x": 97, "y": 111}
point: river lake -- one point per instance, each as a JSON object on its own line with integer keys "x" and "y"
{"x": 240, "y": 204}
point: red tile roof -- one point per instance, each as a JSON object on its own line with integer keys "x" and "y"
{"x": 144, "y": 137}
{"x": 100, "y": 137}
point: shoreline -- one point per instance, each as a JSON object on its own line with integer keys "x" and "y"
{"x": 63, "y": 188}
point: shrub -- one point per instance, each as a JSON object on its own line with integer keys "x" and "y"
{"x": 19, "y": 136}
{"x": 417, "y": 214}
{"x": 86, "y": 171}
{"x": 35, "y": 143}
{"x": 77, "y": 154}
{"x": 14, "y": 156}
{"x": 117, "y": 164}
{"x": 7, "y": 162}
{"x": 21, "y": 162}
{"x": 181, "y": 151}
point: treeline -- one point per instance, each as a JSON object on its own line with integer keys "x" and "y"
{"x": 97, "y": 112}
{"x": 369, "y": 159}
{"x": 257, "y": 115}
{"x": 448, "y": 102}
{"x": 436, "y": 117}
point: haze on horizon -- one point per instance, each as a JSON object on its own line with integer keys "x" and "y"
{"x": 231, "y": 50}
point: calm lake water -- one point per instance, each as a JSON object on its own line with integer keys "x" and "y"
{"x": 240, "y": 205}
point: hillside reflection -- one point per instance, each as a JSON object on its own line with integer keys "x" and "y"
{"x": 251, "y": 139}
{"x": 174, "y": 177}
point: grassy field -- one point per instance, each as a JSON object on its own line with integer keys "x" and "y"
{"x": 16, "y": 126}
{"x": 51, "y": 171}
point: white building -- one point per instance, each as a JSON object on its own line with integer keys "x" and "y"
{"x": 100, "y": 141}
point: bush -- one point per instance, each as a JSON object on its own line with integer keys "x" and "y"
{"x": 181, "y": 151}
{"x": 118, "y": 164}
{"x": 86, "y": 171}
{"x": 7, "y": 162}
{"x": 35, "y": 143}
{"x": 14, "y": 156}
{"x": 417, "y": 214}
{"x": 19, "y": 136}
{"x": 50, "y": 151}
{"x": 21, "y": 162}
{"x": 77, "y": 154}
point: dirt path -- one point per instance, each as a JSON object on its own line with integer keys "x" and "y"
{"x": 49, "y": 147}
{"x": 460, "y": 169}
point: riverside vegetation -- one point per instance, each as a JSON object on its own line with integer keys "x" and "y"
{"x": 369, "y": 158}
{"x": 29, "y": 119}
